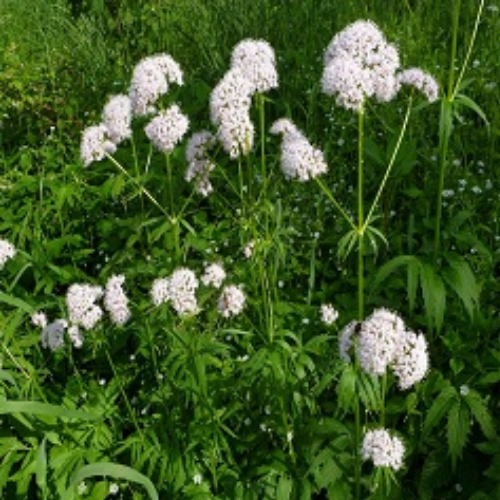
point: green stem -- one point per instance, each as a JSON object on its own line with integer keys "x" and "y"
{"x": 361, "y": 222}
{"x": 335, "y": 203}
{"x": 389, "y": 166}
{"x": 173, "y": 219}
{"x": 455, "y": 19}
{"x": 261, "y": 104}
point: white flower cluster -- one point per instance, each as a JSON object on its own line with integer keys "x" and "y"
{"x": 231, "y": 301}
{"x": 328, "y": 314}
{"x": 360, "y": 64}
{"x": 81, "y": 304}
{"x": 382, "y": 449}
{"x": 230, "y": 103}
{"x": 249, "y": 249}
{"x": 115, "y": 300}
{"x": 199, "y": 164}
{"x": 7, "y": 251}
{"x": 252, "y": 70}
{"x": 214, "y": 275}
{"x": 299, "y": 159}
{"x": 150, "y": 80}
{"x": 179, "y": 289}
{"x": 382, "y": 341}
{"x": 53, "y": 334}
{"x": 255, "y": 58}
{"x": 421, "y": 80}
{"x": 167, "y": 129}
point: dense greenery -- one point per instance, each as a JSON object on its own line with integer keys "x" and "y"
{"x": 261, "y": 405}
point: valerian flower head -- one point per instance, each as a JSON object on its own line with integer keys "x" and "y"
{"x": 328, "y": 314}
{"x": 378, "y": 340}
{"x": 179, "y": 289}
{"x": 359, "y": 64}
{"x": 7, "y": 252}
{"x": 299, "y": 159}
{"x": 39, "y": 319}
{"x": 80, "y": 301}
{"x": 382, "y": 449}
{"x": 346, "y": 340}
{"x": 53, "y": 334}
{"x": 200, "y": 165}
{"x": 421, "y": 80}
{"x": 230, "y": 103}
{"x": 115, "y": 300}
{"x": 96, "y": 144}
{"x": 214, "y": 275}
{"x": 232, "y": 301}
{"x": 256, "y": 60}
{"x": 117, "y": 117}
{"x": 411, "y": 360}
{"x": 150, "y": 80}
{"x": 167, "y": 129}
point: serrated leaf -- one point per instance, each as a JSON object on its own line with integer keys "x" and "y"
{"x": 462, "y": 281}
{"x": 439, "y": 408}
{"x": 434, "y": 474}
{"x": 481, "y": 413}
{"x": 457, "y": 430}
{"x": 434, "y": 294}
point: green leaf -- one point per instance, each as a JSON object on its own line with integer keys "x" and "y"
{"x": 15, "y": 302}
{"x": 346, "y": 388}
{"x": 461, "y": 279}
{"x": 481, "y": 413}
{"x": 35, "y": 408}
{"x": 41, "y": 466}
{"x": 435, "y": 473}
{"x": 457, "y": 430}
{"x": 439, "y": 408}
{"x": 463, "y": 100}
{"x": 390, "y": 267}
{"x": 434, "y": 294}
{"x": 347, "y": 243}
{"x": 284, "y": 489}
{"x": 116, "y": 471}
{"x": 413, "y": 272}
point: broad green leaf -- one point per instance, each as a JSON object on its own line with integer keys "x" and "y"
{"x": 434, "y": 294}
{"x": 457, "y": 430}
{"x": 461, "y": 279}
{"x": 439, "y": 408}
{"x": 346, "y": 388}
{"x": 284, "y": 489}
{"x": 445, "y": 121}
{"x": 15, "y": 302}
{"x": 41, "y": 466}
{"x": 435, "y": 472}
{"x": 390, "y": 267}
{"x": 481, "y": 413}
{"x": 35, "y": 408}
{"x": 116, "y": 471}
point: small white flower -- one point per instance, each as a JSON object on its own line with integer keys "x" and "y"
{"x": 115, "y": 300}
{"x": 80, "y": 301}
{"x": 232, "y": 301}
{"x": 53, "y": 334}
{"x": 7, "y": 251}
{"x": 82, "y": 488}
{"x": 328, "y": 314}
{"x": 179, "y": 289}
{"x": 200, "y": 165}
{"x": 197, "y": 478}
{"x": 464, "y": 390}
{"x": 96, "y": 144}
{"x": 249, "y": 249}
{"x": 214, "y": 275}
{"x": 382, "y": 449}
{"x": 117, "y": 117}
{"x": 167, "y": 129}
{"x": 113, "y": 489}
{"x": 39, "y": 319}
{"x": 76, "y": 336}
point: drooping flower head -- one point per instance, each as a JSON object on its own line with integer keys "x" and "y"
{"x": 81, "y": 303}
{"x": 359, "y": 64}
{"x": 117, "y": 117}
{"x": 115, "y": 300}
{"x": 299, "y": 159}
{"x": 199, "y": 164}
{"x": 167, "y": 129}
{"x": 95, "y": 144}
{"x": 150, "y": 80}
{"x": 256, "y": 60}
{"x": 421, "y": 80}
{"x": 382, "y": 449}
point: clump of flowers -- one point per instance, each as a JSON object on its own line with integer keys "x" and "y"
{"x": 96, "y": 144}
{"x": 421, "y": 80}
{"x": 179, "y": 289}
{"x": 249, "y": 249}
{"x": 117, "y": 118}
{"x": 115, "y": 300}
{"x": 167, "y": 129}
{"x": 411, "y": 360}
{"x": 200, "y": 165}
{"x": 382, "y": 449}
{"x": 150, "y": 80}
{"x": 53, "y": 334}
{"x": 7, "y": 252}
{"x": 328, "y": 314}
{"x": 299, "y": 159}
{"x": 81, "y": 303}
{"x": 214, "y": 275}
{"x": 232, "y": 301}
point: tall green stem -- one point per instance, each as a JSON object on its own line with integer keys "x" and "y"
{"x": 361, "y": 220}
{"x": 173, "y": 218}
